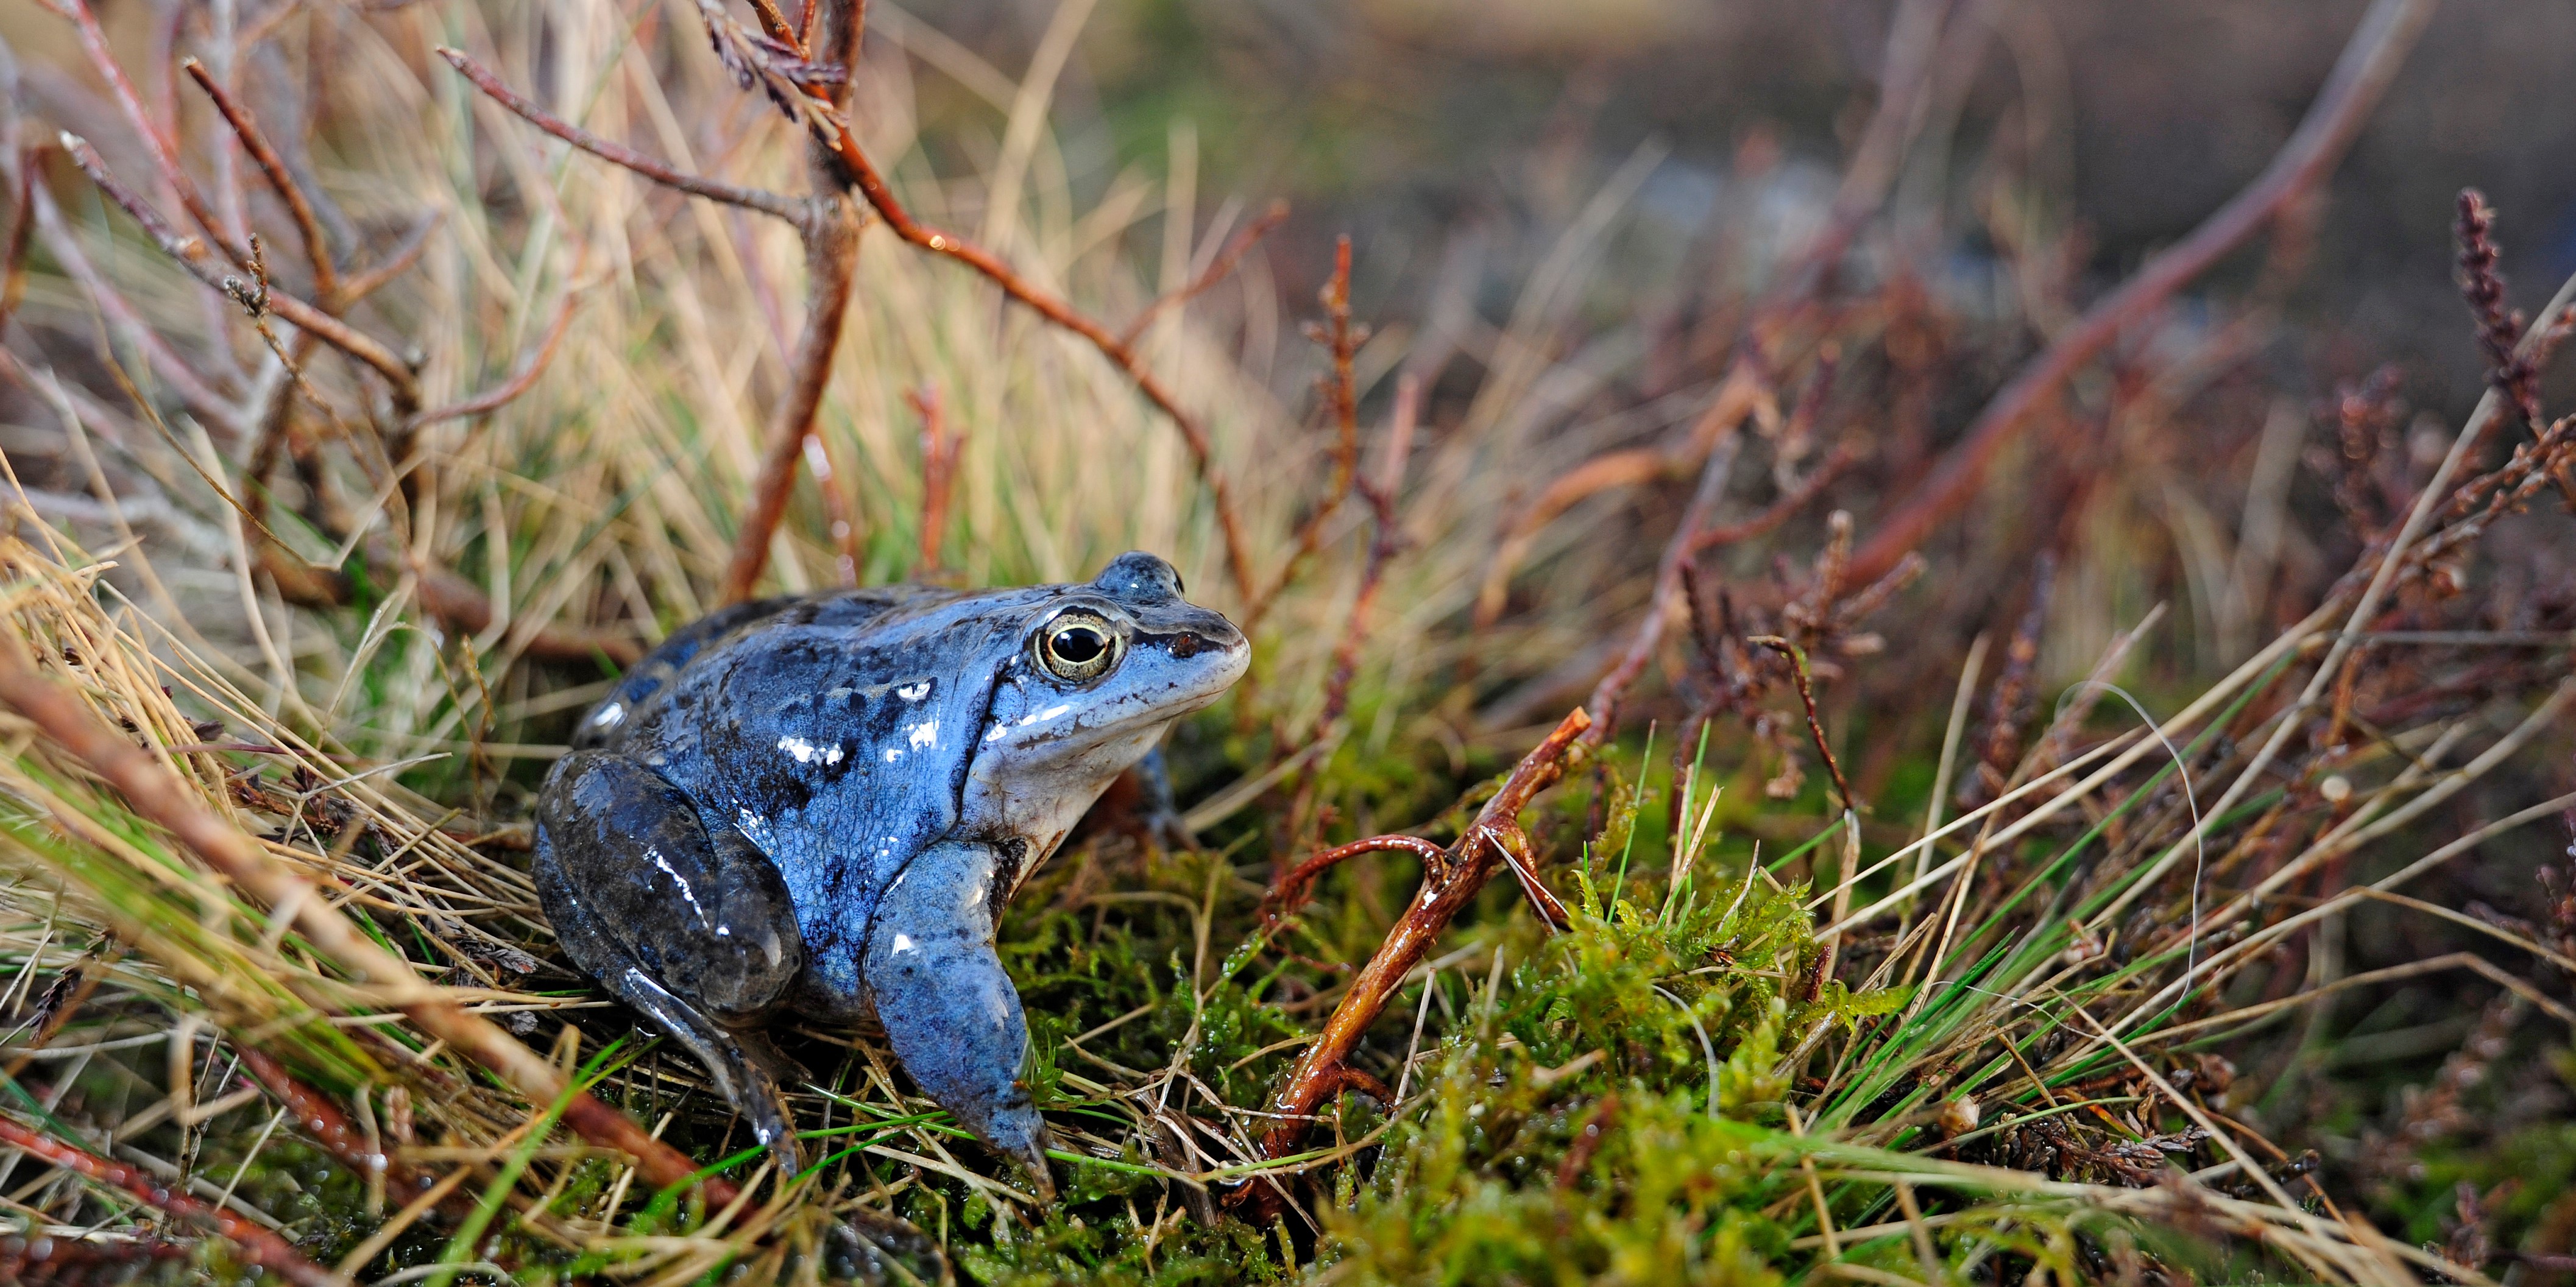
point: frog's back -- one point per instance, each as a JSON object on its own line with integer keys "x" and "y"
{"x": 831, "y": 731}
{"x": 646, "y": 687}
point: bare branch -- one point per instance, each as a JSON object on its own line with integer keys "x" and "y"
{"x": 520, "y": 381}
{"x": 368, "y": 281}
{"x": 1782, "y": 510}
{"x": 862, "y": 174}
{"x": 165, "y": 155}
{"x": 1380, "y": 494}
{"x": 1218, "y": 270}
{"x": 1341, "y": 343}
{"x": 256, "y": 1244}
{"x": 768, "y": 203}
{"x": 1667, "y": 601}
{"x": 1736, "y": 396}
{"x": 192, "y": 255}
{"x": 1448, "y": 884}
{"x": 831, "y": 228}
{"x": 2370, "y": 60}
{"x": 317, "y": 248}
{"x": 1290, "y": 892}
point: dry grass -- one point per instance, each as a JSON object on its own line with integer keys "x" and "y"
{"x": 1985, "y": 1052}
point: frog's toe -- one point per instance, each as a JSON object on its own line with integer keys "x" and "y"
{"x": 948, "y": 1008}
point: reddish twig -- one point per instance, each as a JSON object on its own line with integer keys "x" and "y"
{"x": 1290, "y": 893}
{"x": 1807, "y": 698}
{"x": 2515, "y": 375}
{"x": 157, "y": 794}
{"x": 1667, "y": 596}
{"x": 769, "y": 203}
{"x": 831, "y": 231}
{"x": 837, "y": 162}
{"x": 1914, "y": 38}
{"x": 1341, "y": 342}
{"x": 1218, "y": 270}
{"x": 835, "y": 133}
{"x": 2370, "y": 60}
{"x": 165, "y": 154}
{"x": 368, "y": 281}
{"x": 192, "y": 255}
{"x": 317, "y": 248}
{"x": 1736, "y": 396}
{"x": 520, "y": 381}
{"x": 256, "y": 1244}
{"x": 1782, "y": 510}
{"x": 939, "y": 450}
{"x": 322, "y": 1121}
{"x": 1387, "y": 541}
{"x": 1448, "y": 886}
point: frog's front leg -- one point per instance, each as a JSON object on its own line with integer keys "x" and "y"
{"x": 947, "y": 1006}
{"x": 693, "y": 929}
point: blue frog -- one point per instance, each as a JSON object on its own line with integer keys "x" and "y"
{"x": 816, "y": 807}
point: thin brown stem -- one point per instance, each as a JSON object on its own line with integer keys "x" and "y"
{"x": 281, "y": 180}
{"x": 1807, "y": 698}
{"x": 838, "y": 136}
{"x": 212, "y": 404}
{"x": 831, "y": 228}
{"x": 939, "y": 448}
{"x": 520, "y": 381}
{"x": 1667, "y": 601}
{"x": 1448, "y": 886}
{"x": 1290, "y": 893}
{"x": 1736, "y": 396}
{"x": 2370, "y": 60}
{"x": 367, "y": 281}
{"x": 192, "y": 255}
{"x": 165, "y": 154}
{"x": 1779, "y": 511}
{"x": 768, "y": 203}
{"x": 1380, "y": 495}
{"x": 1218, "y": 270}
{"x": 1341, "y": 343}
{"x": 256, "y": 1244}
{"x": 321, "y": 1120}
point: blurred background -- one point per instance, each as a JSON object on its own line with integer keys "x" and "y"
{"x": 1614, "y": 247}
{"x": 1416, "y": 125}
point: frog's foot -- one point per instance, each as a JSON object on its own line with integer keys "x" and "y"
{"x": 948, "y": 1008}
{"x": 694, "y": 931}
{"x": 740, "y": 1059}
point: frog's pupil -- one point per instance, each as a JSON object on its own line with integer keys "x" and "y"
{"x": 1079, "y": 644}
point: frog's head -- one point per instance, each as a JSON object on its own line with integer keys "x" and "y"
{"x": 1101, "y": 670}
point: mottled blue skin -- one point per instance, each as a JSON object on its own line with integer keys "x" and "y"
{"x": 819, "y": 805}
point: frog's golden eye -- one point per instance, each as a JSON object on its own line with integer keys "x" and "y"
{"x": 1078, "y": 646}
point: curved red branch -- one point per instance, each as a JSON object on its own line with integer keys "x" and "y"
{"x": 2370, "y": 60}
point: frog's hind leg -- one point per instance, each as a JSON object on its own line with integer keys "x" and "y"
{"x": 693, "y": 930}
{"x": 948, "y": 1008}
